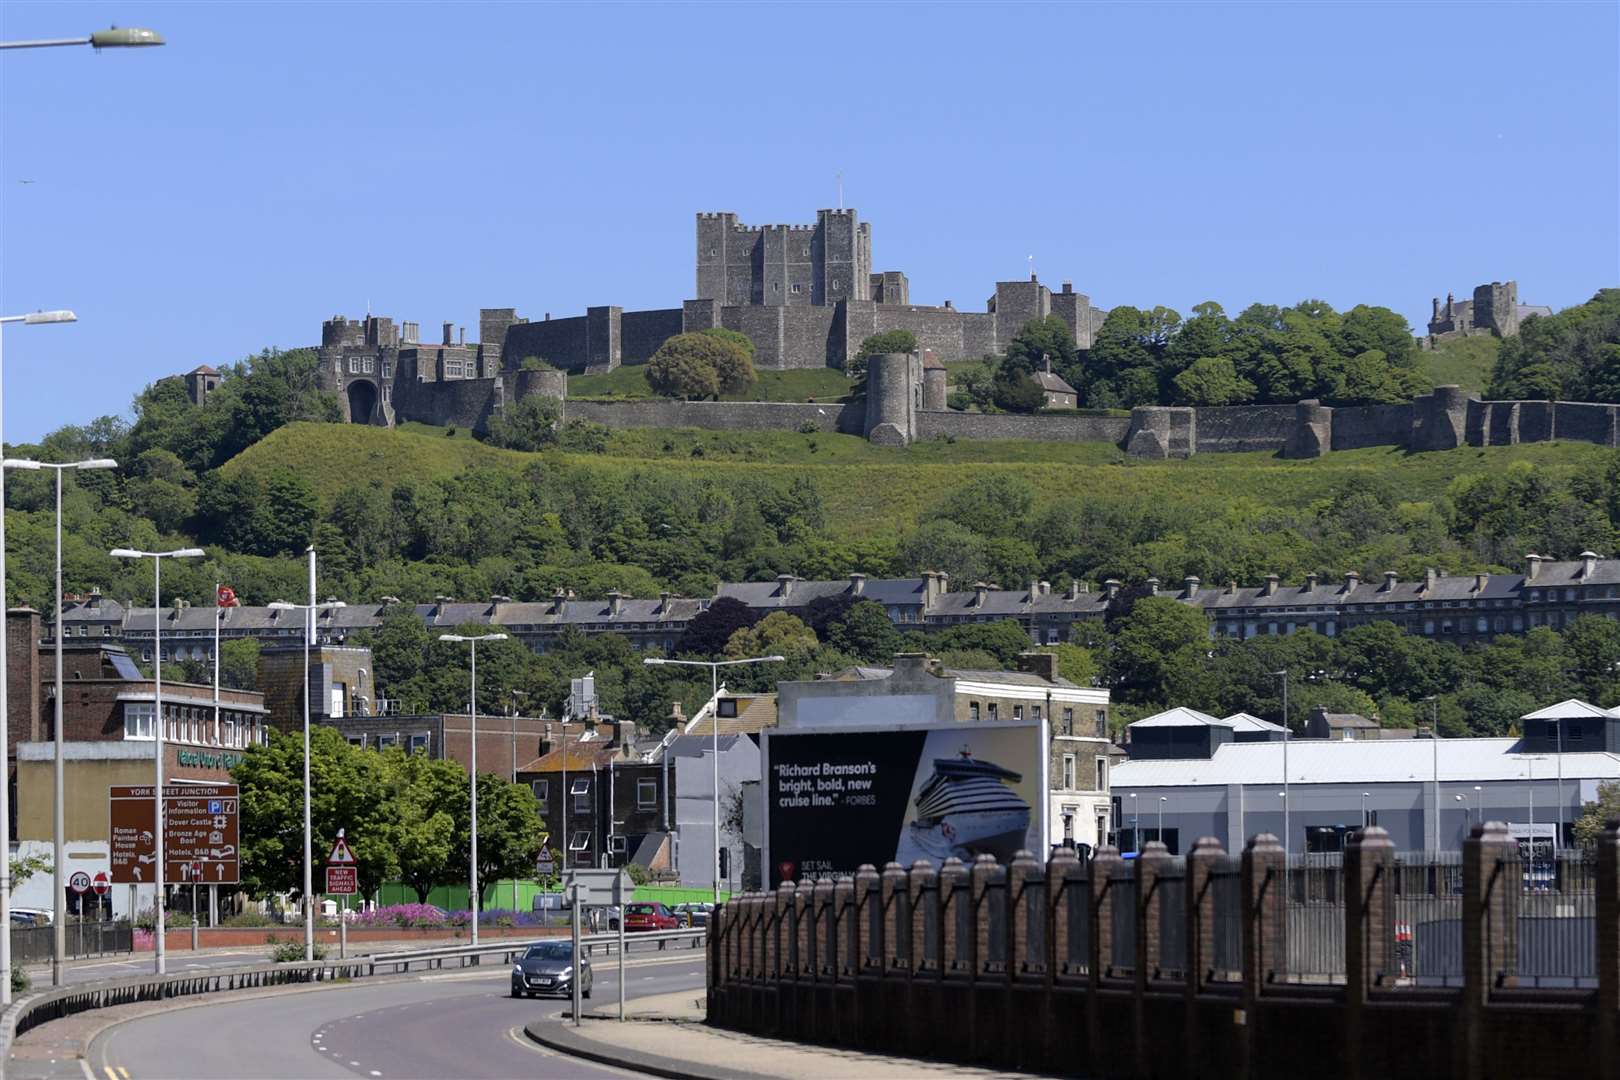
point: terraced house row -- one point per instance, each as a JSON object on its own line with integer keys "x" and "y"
{"x": 1474, "y": 607}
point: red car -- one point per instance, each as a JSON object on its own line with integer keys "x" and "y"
{"x": 649, "y": 917}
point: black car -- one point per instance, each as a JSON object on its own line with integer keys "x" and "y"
{"x": 547, "y": 967}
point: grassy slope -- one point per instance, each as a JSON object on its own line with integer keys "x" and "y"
{"x": 1466, "y": 362}
{"x": 630, "y": 381}
{"x": 872, "y": 490}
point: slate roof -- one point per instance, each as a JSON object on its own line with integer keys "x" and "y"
{"x": 756, "y": 712}
{"x": 1242, "y": 721}
{"x": 1338, "y": 721}
{"x": 1052, "y": 383}
{"x": 1569, "y": 709}
{"x": 1181, "y": 717}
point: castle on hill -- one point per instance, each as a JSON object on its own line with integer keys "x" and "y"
{"x": 805, "y": 295}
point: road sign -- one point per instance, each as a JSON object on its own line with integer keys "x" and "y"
{"x": 341, "y": 855}
{"x": 79, "y": 882}
{"x": 342, "y": 880}
{"x": 545, "y": 865}
{"x": 598, "y": 887}
{"x": 102, "y": 883}
{"x": 200, "y": 834}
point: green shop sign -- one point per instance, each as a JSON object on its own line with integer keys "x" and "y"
{"x": 209, "y": 761}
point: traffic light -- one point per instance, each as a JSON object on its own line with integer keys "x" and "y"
{"x": 725, "y": 864}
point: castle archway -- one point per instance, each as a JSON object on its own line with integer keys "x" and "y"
{"x": 362, "y": 402}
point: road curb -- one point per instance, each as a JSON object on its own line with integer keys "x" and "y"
{"x": 559, "y": 1036}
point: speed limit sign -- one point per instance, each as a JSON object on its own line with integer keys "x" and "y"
{"x": 79, "y": 882}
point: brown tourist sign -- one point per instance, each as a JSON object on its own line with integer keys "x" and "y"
{"x": 200, "y": 835}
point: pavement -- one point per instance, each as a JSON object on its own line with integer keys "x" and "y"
{"x": 665, "y": 1035}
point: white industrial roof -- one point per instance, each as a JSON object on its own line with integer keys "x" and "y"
{"x": 1242, "y": 721}
{"x": 1566, "y": 710}
{"x": 1357, "y": 761}
{"x": 1181, "y": 717}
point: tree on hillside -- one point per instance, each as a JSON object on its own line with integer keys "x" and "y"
{"x": 708, "y": 633}
{"x": 686, "y": 366}
{"x": 1036, "y": 342}
{"x": 528, "y": 424}
{"x": 731, "y": 337}
{"x": 867, "y": 632}
{"x": 777, "y": 634}
{"x": 1573, "y": 355}
{"x": 889, "y": 341}
{"x": 1212, "y": 380}
{"x": 1159, "y": 636}
{"x": 239, "y": 663}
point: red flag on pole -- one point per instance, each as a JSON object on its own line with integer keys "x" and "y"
{"x": 227, "y": 597}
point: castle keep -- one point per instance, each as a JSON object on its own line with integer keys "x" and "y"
{"x": 1495, "y": 309}
{"x": 805, "y": 295}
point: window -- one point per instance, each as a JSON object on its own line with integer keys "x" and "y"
{"x": 991, "y": 709}
{"x": 542, "y": 793}
{"x": 838, "y": 286}
{"x": 1069, "y": 778}
{"x": 805, "y": 251}
{"x": 419, "y": 743}
{"x": 580, "y": 841}
{"x": 1102, "y": 723}
{"x": 1018, "y": 712}
{"x": 1102, "y": 774}
{"x": 726, "y": 707}
{"x": 138, "y": 721}
{"x": 1575, "y": 734}
{"x": 390, "y": 739}
{"x": 973, "y": 710}
{"x": 1068, "y": 827}
{"x": 230, "y": 731}
{"x": 1068, "y": 721}
{"x": 354, "y": 365}
{"x": 581, "y": 791}
{"x": 358, "y": 741}
{"x": 646, "y": 794}
{"x": 368, "y": 365}
{"x": 106, "y": 631}
{"x": 713, "y": 252}
{"x": 796, "y": 288}
{"x": 1034, "y": 712}
{"x": 387, "y": 369}
{"x": 776, "y": 286}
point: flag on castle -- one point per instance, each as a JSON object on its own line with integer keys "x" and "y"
{"x": 226, "y": 597}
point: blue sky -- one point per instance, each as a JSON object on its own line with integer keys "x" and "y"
{"x": 276, "y": 164}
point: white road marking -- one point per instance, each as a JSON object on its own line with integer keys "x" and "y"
{"x": 374, "y": 1072}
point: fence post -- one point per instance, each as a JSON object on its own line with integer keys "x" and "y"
{"x": 1205, "y": 855}
{"x": 1607, "y": 887}
{"x": 1150, "y": 864}
{"x": 953, "y": 893}
{"x": 868, "y": 941}
{"x": 1263, "y": 879}
{"x": 846, "y": 927}
{"x": 1058, "y": 868}
{"x": 803, "y": 912}
{"x": 822, "y": 898}
{"x": 783, "y": 900}
{"x": 1101, "y": 913}
{"x": 1489, "y": 930}
{"x": 890, "y": 885}
{"x": 1369, "y": 909}
{"x": 921, "y": 880}
{"x": 1024, "y": 873}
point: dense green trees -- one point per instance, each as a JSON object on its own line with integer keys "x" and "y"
{"x": 889, "y": 341}
{"x": 404, "y": 816}
{"x": 1571, "y": 356}
{"x": 529, "y": 424}
{"x": 701, "y": 365}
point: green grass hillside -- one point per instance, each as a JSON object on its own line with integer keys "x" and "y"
{"x": 870, "y": 490}
{"x": 630, "y": 381}
{"x": 1467, "y": 362}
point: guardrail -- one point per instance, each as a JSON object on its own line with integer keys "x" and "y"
{"x": 46, "y": 1005}
{"x": 590, "y": 944}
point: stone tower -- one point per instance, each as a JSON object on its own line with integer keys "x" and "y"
{"x": 1496, "y": 308}
{"x": 784, "y": 265}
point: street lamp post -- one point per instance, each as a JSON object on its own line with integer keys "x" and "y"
{"x": 1434, "y": 738}
{"x": 160, "y": 955}
{"x": 116, "y": 37}
{"x": 310, "y": 609}
{"x": 1364, "y": 810}
{"x": 1136, "y": 826}
{"x": 31, "y": 319}
{"x": 1479, "y": 803}
{"x": 1162, "y": 800}
{"x": 472, "y": 712}
{"x": 1283, "y": 675}
{"x": 714, "y": 667}
{"x": 59, "y": 815}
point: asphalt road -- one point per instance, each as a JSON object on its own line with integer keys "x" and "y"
{"x": 462, "y": 1025}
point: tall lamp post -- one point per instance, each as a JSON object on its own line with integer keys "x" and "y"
{"x": 59, "y": 828}
{"x": 116, "y": 37}
{"x": 1162, "y": 800}
{"x": 1283, "y": 675}
{"x": 160, "y": 957}
{"x": 309, "y": 611}
{"x": 1434, "y": 737}
{"x": 1136, "y": 827}
{"x": 33, "y": 318}
{"x": 714, "y": 667}
{"x": 472, "y": 712}
{"x": 1364, "y": 795}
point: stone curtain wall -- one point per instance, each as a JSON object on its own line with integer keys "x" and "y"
{"x": 641, "y": 332}
{"x": 719, "y": 415}
{"x": 1184, "y": 967}
{"x": 560, "y": 342}
{"x": 1355, "y": 427}
{"x": 1241, "y": 428}
{"x": 961, "y": 425}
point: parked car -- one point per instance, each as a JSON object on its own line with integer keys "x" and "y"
{"x": 35, "y": 916}
{"x": 649, "y": 917}
{"x": 547, "y": 967}
{"x": 693, "y": 914}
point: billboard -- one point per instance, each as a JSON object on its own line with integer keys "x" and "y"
{"x": 837, "y": 798}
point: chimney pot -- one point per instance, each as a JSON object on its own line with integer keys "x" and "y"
{"x": 1589, "y": 561}
{"x": 1480, "y": 581}
{"x": 784, "y": 585}
{"x": 1111, "y": 586}
{"x": 1074, "y": 589}
{"x": 1271, "y": 586}
{"x": 1310, "y": 581}
{"x": 1389, "y": 580}
{"x": 448, "y": 328}
{"x": 1190, "y": 586}
{"x": 1532, "y": 566}
{"x": 857, "y": 584}
{"x": 981, "y": 593}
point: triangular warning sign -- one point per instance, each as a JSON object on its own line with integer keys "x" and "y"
{"x": 341, "y": 855}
